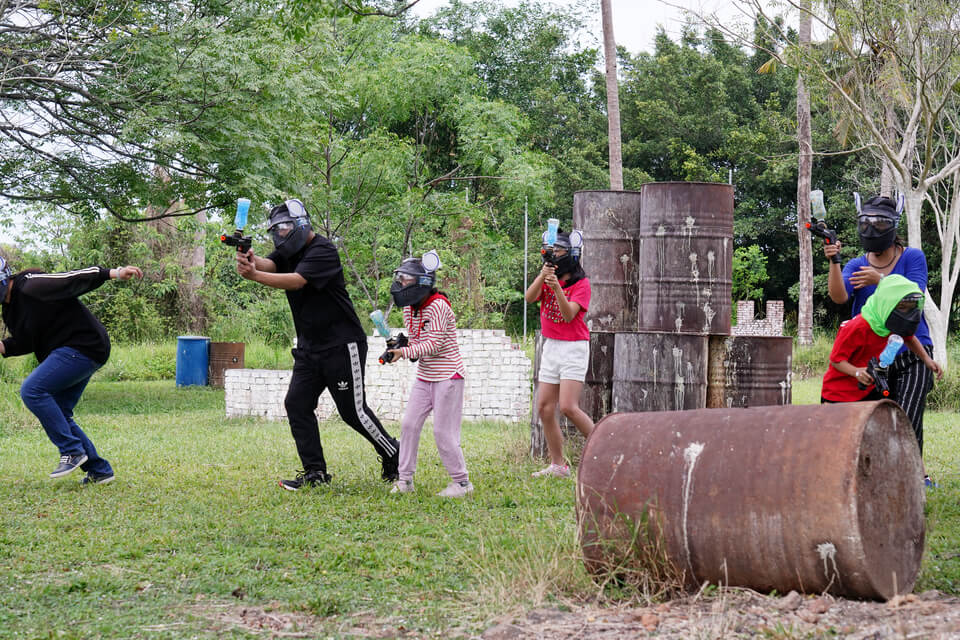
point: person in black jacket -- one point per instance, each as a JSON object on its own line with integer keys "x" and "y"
{"x": 331, "y": 347}
{"x": 43, "y": 316}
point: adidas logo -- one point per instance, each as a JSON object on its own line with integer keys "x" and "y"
{"x": 343, "y": 385}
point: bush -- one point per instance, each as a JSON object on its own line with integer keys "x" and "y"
{"x": 811, "y": 361}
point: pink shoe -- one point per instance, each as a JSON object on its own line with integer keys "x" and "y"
{"x": 560, "y": 471}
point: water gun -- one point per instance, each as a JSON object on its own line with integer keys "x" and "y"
{"x": 818, "y": 222}
{"x": 393, "y": 342}
{"x": 238, "y": 240}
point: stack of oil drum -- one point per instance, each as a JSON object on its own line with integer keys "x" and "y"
{"x": 659, "y": 262}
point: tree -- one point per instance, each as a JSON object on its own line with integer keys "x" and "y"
{"x": 805, "y": 145}
{"x": 613, "y": 99}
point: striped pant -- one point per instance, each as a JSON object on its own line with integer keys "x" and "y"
{"x": 910, "y": 382}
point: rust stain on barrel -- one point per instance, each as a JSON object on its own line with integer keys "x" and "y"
{"x": 811, "y": 498}
{"x": 610, "y": 221}
{"x": 686, "y": 257}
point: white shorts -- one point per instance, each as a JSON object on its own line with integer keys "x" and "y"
{"x": 563, "y": 360}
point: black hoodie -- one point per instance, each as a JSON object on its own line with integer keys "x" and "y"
{"x": 44, "y": 314}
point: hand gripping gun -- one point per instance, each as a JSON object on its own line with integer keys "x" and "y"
{"x": 393, "y": 342}
{"x": 879, "y": 375}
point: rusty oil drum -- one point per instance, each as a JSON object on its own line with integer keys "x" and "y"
{"x": 659, "y": 372}
{"x": 686, "y": 257}
{"x": 223, "y": 356}
{"x": 813, "y": 498}
{"x": 610, "y": 222}
{"x": 750, "y": 371}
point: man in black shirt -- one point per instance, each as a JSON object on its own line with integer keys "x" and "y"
{"x": 43, "y": 316}
{"x": 331, "y": 345}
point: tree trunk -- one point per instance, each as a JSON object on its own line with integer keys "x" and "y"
{"x": 805, "y": 152}
{"x": 613, "y": 97}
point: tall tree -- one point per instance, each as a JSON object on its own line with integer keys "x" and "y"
{"x": 613, "y": 96}
{"x": 804, "y": 174}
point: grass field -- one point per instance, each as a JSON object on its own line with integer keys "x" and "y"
{"x": 194, "y": 534}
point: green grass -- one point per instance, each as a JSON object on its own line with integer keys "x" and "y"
{"x": 195, "y": 530}
{"x": 195, "y": 516}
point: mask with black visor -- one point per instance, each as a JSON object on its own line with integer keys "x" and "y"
{"x": 563, "y": 251}
{"x": 877, "y": 220}
{"x": 415, "y": 279}
{"x": 289, "y": 227}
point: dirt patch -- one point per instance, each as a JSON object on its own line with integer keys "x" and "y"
{"x": 272, "y": 621}
{"x": 746, "y": 614}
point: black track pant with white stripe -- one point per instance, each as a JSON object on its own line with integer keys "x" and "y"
{"x": 910, "y": 382}
{"x": 339, "y": 369}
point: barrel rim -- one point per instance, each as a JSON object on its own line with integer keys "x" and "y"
{"x": 607, "y": 191}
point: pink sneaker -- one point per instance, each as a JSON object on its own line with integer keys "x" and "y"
{"x": 560, "y": 471}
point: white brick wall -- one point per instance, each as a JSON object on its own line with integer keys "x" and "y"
{"x": 497, "y": 383}
{"x": 749, "y": 325}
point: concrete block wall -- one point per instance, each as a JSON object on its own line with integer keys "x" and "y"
{"x": 497, "y": 383}
{"x": 749, "y": 325}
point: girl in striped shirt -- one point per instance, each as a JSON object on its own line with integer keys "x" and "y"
{"x": 432, "y": 325}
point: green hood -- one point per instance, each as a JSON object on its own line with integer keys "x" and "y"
{"x": 885, "y": 299}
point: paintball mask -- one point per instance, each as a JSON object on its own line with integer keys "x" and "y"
{"x": 564, "y": 253}
{"x": 289, "y": 227}
{"x": 905, "y": 317}
{"x": 414, "y": 279}
{"x": 877, "y": 222}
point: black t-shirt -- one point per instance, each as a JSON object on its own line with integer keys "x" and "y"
{"x": 44, "y": 314}
{"x": 323, "y": 314}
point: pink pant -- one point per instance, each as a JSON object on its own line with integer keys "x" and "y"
{"x": 445, "y": 399}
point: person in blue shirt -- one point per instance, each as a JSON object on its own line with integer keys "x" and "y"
{"x": 884, "y": 254}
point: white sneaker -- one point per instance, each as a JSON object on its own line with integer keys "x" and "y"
{"x": 560, "y": 471}
{"x": 456, "y": 490}
{"x": 402, "y": 486}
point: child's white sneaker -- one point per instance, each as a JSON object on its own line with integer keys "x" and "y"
{"x": 456, "y": 489}
{"x": 560, "y": 471}
{"x": 402, "y": 486}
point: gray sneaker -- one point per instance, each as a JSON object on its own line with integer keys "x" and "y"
{"x": 68, "y": 464}
{"x": 96, "y": 478}
{"x": 402, "y": 486}
{"x": 457, "y": 489}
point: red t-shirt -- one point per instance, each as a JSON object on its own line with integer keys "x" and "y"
{"x": 856, "y": 343}
{"x": 552, "y": 324}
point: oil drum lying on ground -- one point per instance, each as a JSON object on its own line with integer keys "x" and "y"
{"x": 812, "y": 498}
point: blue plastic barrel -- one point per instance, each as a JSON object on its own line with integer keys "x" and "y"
{"x": 193, "y": 356}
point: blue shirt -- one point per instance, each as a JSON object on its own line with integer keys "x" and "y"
{"x": 911, "y": 265}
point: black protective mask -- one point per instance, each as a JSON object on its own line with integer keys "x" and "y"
{"x": 410, "y": 295}
{"x": 564, "y": 265}
{"x": 904, "y": 323}
{"x": 879, "y": 236}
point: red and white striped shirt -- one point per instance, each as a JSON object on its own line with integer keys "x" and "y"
{"x": 433, "y": 339}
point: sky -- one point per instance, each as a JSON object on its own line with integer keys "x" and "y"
{"x": 635, "y": 22}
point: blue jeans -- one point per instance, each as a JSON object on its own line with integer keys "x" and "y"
{"x": 51, "y": 391}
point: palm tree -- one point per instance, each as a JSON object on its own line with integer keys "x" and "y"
{"x": 613, "y": 97}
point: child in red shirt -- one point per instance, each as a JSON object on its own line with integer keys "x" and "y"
{"x": 566, "y": 347}
{"x": 895, "y": 307}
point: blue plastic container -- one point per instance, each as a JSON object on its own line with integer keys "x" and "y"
{"x": 193, "y": 359}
